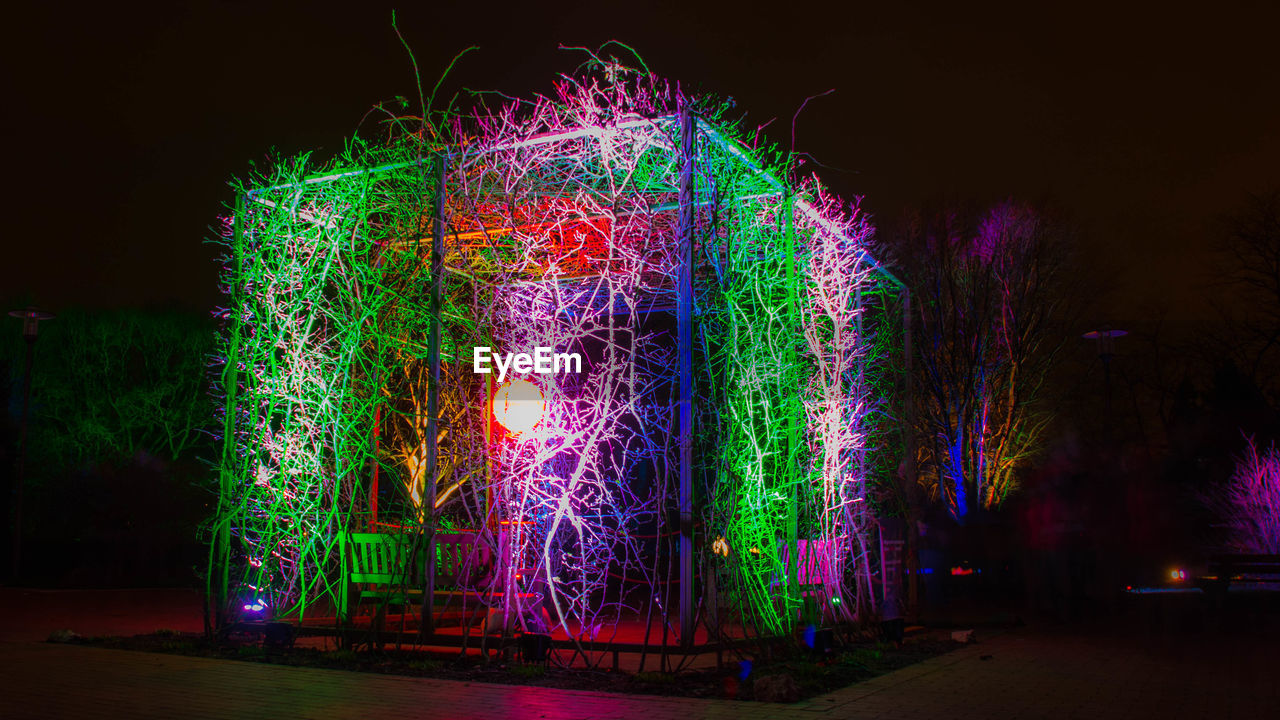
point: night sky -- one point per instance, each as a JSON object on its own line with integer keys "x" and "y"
{"x": 1144, "y": 125}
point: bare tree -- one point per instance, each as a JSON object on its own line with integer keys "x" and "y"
{"x": 990, "y": 312}
{"x": 1248, "y": 330}
{"x": 1249, "y": 504}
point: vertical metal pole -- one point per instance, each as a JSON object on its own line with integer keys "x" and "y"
{"x": 373, "y": 485}
{"x": 684, "y": 331}
{"x": 218, "y": 580}
{"x": 433, "y": 390}
{"x": 909, "y": 419}
{"x": 1106, "y": 381}
{"x": 377, "y": 424}
{"x": 794, "y": 599}
{"x": 491, "y": 518}
{"x": 21, "y": 478}
{"x": 861, "y": 511}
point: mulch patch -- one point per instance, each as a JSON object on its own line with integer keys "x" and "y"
{"x": 798, "y": 671}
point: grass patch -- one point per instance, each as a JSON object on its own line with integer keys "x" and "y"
{"x": 527, "y": 672}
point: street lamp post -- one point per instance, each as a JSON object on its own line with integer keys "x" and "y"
{"x": 31, "y": 318}
{"x": 1106, "y": 338}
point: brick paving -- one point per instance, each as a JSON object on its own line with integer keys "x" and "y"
{"x": 1025, "y": 674}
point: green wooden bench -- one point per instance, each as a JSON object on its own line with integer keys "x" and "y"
{"x": 388, "y": 569}
{"x": 381, "y": 567}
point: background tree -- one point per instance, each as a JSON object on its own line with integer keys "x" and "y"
{"x": 991, "y": 312}
{"x": 1247, "y": 329}
{"x": 120, "y": 412}
{"x": 109, "y": 385}
{"x": 1249, "y": 504}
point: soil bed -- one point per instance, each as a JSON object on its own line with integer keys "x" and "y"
{"x": 808, "y": 676}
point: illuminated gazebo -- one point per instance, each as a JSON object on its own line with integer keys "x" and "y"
{"x": 703, "y": 478}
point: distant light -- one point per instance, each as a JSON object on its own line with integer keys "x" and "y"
{"x": 720, "y": 547}
{"x": 1104, "y": 334}
{"x": 518, "y": 406}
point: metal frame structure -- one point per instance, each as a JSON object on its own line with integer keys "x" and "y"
{"x": 582, "y": 223}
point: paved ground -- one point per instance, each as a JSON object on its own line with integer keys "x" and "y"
{"x": 1026, "y": 674}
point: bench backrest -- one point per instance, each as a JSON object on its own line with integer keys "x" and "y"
{"x": 462, "y": 560}
{"x": 389, "y": 559}
{"x": 381, "y": 559}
